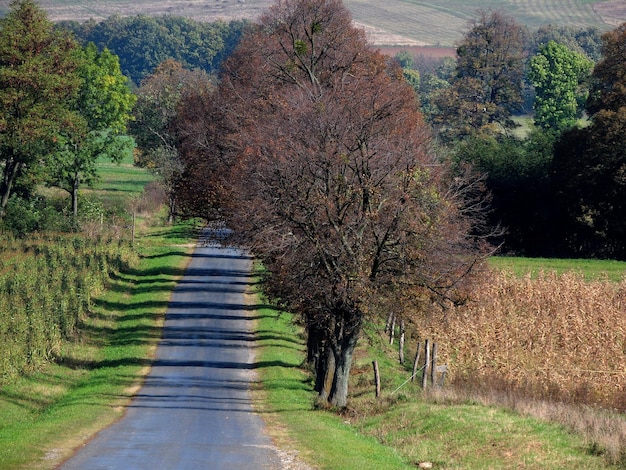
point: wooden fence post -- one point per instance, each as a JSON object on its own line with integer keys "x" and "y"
{"x": 433, "y": 365}
{"x": 426, "y": 363}
{"x": 376, "y": 378}
{"x": 416, "y": 360}
{"x": 401, "y": 342}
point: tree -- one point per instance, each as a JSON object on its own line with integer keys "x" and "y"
{"x": 488, "y": 83}
{"x": 587, "y": 41}
{"x": 340, "y": 194}
{"x": 38, "y": 79}
{"x": 160, "y": 98}
{"x": 560, "y": 77}
{"x": 104, "y": 102}
{"x": 590, "y": 164}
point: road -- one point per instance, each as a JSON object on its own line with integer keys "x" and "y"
{"x": 195, "y": 409}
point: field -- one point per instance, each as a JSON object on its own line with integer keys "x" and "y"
{"x": 394, "y": 22}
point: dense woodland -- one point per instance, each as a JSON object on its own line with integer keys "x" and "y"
{"x": 364, "y": 183}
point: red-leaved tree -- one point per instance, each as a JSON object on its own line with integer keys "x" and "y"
{"x": 333, "y": 181}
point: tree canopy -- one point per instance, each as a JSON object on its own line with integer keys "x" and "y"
{"x": 335, "y": 184}
{"x": 488, "y": 83}
{"x": 38, "y": 81}
{"x": 161, "y": 99}
{"x": 590, "y": 164}
{"x": 143, "y": 42}
{"x": 560, "y": 77}
{"x": 104, "y": 101}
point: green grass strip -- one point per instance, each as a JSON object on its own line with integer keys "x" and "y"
{"x": 322, "y": 438}
{"x": 591, "y": 269}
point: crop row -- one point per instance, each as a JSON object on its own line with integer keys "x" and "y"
{"x": 46, "y": 289}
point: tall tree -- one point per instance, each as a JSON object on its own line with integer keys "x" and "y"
{"x": 340, "y": 193}
{"x": 560, "y": 77}
{"x": 160, "y": 98}
{"x": 488, "y": 83}
{"x": 590, "y": 164}
{"x": 104, "y": 102}
{"x": 38, "y": 79}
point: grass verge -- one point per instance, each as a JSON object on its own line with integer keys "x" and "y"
{"x": 45, "y": 415}
{"x": 322, "y": 439}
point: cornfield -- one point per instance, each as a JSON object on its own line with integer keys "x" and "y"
{"x": 555, "y": 337}
{"x": 47, "y": 287}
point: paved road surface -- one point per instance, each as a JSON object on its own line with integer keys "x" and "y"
{"x": 194, "y": 411}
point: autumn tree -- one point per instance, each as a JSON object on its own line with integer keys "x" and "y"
{"x": 560, "y": 77}
{"x": 38, "y": 79}
{"x": 104, "y": 103}
{"x": 488, "y": 83}
{"x": 340, "y": 193}
{"x": 160, "y": 98}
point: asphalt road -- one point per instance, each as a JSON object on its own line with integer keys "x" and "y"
{"x": 195, "y": 410}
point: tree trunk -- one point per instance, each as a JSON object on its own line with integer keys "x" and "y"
{"x": 343, "y": 351}
{"x": 8, "y": 177}
{"x": 324, "y": 375}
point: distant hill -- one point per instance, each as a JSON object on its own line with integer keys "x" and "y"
{"x": 389, "y": 22}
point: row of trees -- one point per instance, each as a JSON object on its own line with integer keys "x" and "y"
{"x": 142, "y": 43}
{"x": 315, "y": 150}
{"x": 313, "y": 147}
{"x": 67, "y": 97}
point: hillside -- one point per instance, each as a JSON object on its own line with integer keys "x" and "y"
{"x": 394, "y": 22}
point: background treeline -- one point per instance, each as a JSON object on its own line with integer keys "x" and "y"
{"x": 142, "y": 42}
{"x": 528, "y": 109}
{"x": 47, "y": 286}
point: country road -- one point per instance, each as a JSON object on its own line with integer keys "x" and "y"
{"x": 195, "y": 409}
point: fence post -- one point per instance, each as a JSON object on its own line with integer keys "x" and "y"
{"x": 433, "y": 365}
{"x": 416, "y": 360}
{"x": 426, "y": 363}
{"x": 376, "y": 378}
{"x": 401, "y": 342}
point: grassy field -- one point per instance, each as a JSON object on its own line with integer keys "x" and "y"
{"x": 591, "y": 269}
{"x": 394, "y": 22}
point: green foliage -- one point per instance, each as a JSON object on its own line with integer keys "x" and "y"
{"x": 413, "y": 77}
{"x": 586, "y": 41}
{"x": 104, "y": 102}
{"x": 518, "y": 180}
{"x": 142, "y": 42}
{"x": 36, "y": 214}
{"x": 487, "y": 86}
{"x": 38, "y": 79}
{"x": 590, "y": 164}
{"x": 559, "y": 76}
